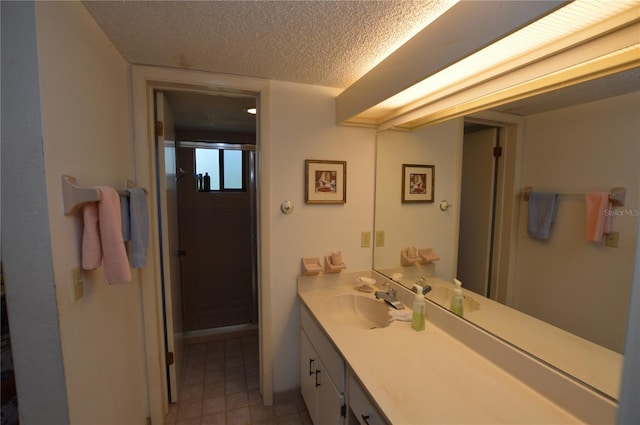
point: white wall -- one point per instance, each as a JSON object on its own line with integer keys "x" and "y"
{"x": 303, "y": 127}
{"x": 86, "y": 133}
{"x": 421, "y": 225}
{"x": 26, "y": 245}
{"x": 590, "y": 147}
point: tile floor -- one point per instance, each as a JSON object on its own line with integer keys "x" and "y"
{"x": 220, "y": 386}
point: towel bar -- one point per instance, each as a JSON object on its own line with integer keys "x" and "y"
{"x": 74, "y": 195}
{"x": 617, "y": 195}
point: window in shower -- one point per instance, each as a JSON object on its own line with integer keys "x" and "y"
{"x": 225, "y": 167}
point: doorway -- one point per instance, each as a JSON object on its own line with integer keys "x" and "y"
{"x": 208, "y": 241}
{"x": 489, "y": 203}
{"x": 481, "y": 156}
{"x": 217, "y": 223}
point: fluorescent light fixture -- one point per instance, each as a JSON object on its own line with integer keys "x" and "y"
{"x": 252, "y": 111}
{"x": 570, "y": 25}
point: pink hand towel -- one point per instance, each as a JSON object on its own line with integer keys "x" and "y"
{"x": 91, "y": 245}
{"x": 598, "y": 217}
{"x": 116, "y": 263}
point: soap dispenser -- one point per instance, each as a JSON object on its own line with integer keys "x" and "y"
{"x": 417, "y": 318}
{"x": 457, "y": 300}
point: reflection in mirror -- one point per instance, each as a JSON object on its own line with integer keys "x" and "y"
{"x": 563, "y": 299}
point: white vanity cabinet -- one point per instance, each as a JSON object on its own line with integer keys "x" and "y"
{"x": 322, "y": 374}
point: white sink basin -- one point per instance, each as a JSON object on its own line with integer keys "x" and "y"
{"x": 359, "y": 311}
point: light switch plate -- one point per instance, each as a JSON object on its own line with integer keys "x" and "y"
{"x": 611, "y": 239}
{"x": 380, "y": 238}
{"x": 365, "y": 239}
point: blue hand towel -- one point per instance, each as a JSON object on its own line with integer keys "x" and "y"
{"x": 124, "y": 214}
{"x": 542, "y": 213}
{"x": 139, "y": 219}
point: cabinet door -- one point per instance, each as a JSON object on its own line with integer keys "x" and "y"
{"x": 309, "y": 363}
{"x": 330, "y": 409}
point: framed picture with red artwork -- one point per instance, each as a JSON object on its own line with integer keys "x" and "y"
{"x": 326, "y": 182}
{"x": 417, "y": 183}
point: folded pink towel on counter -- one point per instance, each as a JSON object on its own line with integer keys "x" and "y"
{"x": 91, "y": 245}
{"x": 598, "y": 215}
{"x": 105, "y": 242}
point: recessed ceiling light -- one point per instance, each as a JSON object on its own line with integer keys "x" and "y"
{"x": 252, "y": 111}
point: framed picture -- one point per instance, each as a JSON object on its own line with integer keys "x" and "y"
{"x": 326, "y": 182}
{"x": 417, "y": 183}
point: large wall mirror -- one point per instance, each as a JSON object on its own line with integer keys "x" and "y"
{"x": 563, "y": 299}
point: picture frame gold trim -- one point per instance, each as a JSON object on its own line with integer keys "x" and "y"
{"x": 325, "y": 182}
{"x": 418, "y": 183}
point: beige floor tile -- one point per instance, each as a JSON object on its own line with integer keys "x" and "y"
{"x": 261, "y": 413}
{"x": 190, "y": 393}
{"x": 235, "y": 386}
{"x": 189, "y": 410}
{"x": 231, "y": 362}
{"x": 291, "y": 419}
{"x": 192, "y": 421}
{"x": 213, "y": 405}
{"x": 237, "y": 400}
{"x": 238, "y": 416}
{"x": 254, "y": 397}
{"x": 213, "y": 390}
{"x": 284, "y": 409}
{"x": 234, "y": 373}
{"x": 214, "y": 377}
{"x": 216, "y": 419}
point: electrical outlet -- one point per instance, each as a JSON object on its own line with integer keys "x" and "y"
{"x": 365, "y": 239}
{"x": 380, "y": 238}
{"x": 612, "y": 239}
{"x": 77, "y": 284}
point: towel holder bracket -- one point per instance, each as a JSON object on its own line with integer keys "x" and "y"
{"x": 74, "y": 195}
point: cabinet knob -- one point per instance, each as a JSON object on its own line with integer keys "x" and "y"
{"x": 317, "y": 378}
{"x": 365, "y": 419}
{"x": 311, "y": 372}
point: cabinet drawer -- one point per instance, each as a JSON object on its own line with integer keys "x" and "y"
{"x": 325, "y": 349}
{"x": 361, "y": 405}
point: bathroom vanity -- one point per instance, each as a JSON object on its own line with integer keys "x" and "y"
{"x": 357, "y": 369}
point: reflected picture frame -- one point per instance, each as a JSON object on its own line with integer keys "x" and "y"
{"x": 325, "y": 182}
{"x": 418, "y": 183}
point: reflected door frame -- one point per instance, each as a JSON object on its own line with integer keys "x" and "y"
{"x": 508, "y": 188}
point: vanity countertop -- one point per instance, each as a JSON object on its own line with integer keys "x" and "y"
{"x": 425, "y": 377}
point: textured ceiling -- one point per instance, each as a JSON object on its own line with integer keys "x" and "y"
{"x": 327, "y": 43}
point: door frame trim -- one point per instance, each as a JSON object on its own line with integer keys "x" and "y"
{"x": 143, "y": 81}
{"x": 507, "y": 205}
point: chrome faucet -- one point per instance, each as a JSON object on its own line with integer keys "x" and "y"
{"x": 389, "y": 296}
{"x": 422, "y": 282}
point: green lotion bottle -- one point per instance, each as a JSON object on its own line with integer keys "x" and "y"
{"x": 418, "y": 316}
{"x": 457, "y": 299}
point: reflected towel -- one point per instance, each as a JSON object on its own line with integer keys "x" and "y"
{"x": 598, "y": 220}
{"x": 139, "y": 219}
{"x": 91, "y": 244}
{"x": 542, "y": 213}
